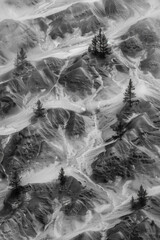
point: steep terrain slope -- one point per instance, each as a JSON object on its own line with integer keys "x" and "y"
{"x": 76, "y": 145}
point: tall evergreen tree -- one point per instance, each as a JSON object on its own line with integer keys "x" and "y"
{"x": 104, "y": 46}
{"x": 99, "y": 45}
{"x": 62, "y": 177}
{"x": 23, "y": 68}
{"x": 142, "y": 196}
{"x": 39, "y": 111}
{"x": 129, "y": 93}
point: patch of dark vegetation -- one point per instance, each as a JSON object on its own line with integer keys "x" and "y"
{"x": 146, "y": 31}
{"x": 142, "y": 35}
{"x": 151, "y": 63}
{"x": 109, "y": 166}
{"x": 141, "y": 200}
{"x": 20, "y": 150}
{"x": 136, "y": 226}
{"x": 89, "y": 236}
{"x": 6, "y": 104}
{"x": 99, "y": 46}
{"x": 28, "y": 209}
{"x": 131, "y": 46}
{"x": 75, "y": 198}
{"x": 113, "y": 163}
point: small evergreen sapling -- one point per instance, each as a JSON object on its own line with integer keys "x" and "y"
{"x": 39, "y": 111}
{"x": 129, "y": 93}
{"x": 142, "y": 196}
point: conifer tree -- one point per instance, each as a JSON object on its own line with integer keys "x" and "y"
{"x": 129, "y": 93}
{"x": 104, "y": 46}
{"x": 94, "y": 45}
{"x": 100, "y": 45}
{"x": 23, "y": 68}
{"x": 39, "y": 111}
{"x": 99, "y": 41}
{"x": 15, "y": 180}
{"x": 62, "y": 177}
{"x": 142, "y": 196}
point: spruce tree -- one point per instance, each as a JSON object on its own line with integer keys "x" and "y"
{"x": 23, "y": 68}
{"x": 62, "y": 177}
{"x": 94, "y": 45}
{"x": 99, "y": 45}
{"x": 142, "y": 196}
{"x": 99, "y": 41}
{"x": 39, "y": 111}
{"x": 104, "y": 46}
{"x": 129, "y": 93}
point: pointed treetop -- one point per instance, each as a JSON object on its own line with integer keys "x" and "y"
{"x": 129, "y": 93}
{"x": 39, "y": 111}
{"x": 99, "y": 45}
{"x": 22, "y": 53}
{"x": 100, "y": 31}
{"x": 142, "y": 192}
{"x": 142, "y": 196}
{"x": 131, "y": 84}
{"x": 39, "y": 104}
